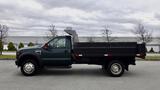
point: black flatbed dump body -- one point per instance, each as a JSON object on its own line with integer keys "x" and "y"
{"x": 102, "y": 49}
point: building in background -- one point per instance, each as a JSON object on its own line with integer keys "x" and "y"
{"x": 39, "y": 40}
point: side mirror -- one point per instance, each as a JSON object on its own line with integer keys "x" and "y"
{"x": 45, "y": 46}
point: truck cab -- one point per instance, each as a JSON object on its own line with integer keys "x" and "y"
{"x": 57, "y": 51}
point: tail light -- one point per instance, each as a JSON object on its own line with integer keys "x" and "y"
{"x": 141, "y": 55}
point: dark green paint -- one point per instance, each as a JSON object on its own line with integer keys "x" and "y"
{"x": 52, "y": 55}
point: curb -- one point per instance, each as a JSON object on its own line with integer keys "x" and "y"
{"x": 7, "y": 59}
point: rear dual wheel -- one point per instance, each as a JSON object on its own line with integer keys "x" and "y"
{"x": 114, "y": 68}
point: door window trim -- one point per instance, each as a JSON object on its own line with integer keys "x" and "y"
{"x": 56, "y": 41}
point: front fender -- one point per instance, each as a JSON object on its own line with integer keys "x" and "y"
{"x": 28, "y": 55}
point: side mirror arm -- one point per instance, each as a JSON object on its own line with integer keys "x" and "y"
{"x": 45, "y": 46}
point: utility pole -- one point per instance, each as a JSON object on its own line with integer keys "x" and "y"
{"x": 107, "y": 34}
{"x": 159, "y": 48}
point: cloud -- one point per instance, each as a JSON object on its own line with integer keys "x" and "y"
{"x": 88, "y": 17}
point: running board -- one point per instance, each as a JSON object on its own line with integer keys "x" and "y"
{"x": 59, "y": 67}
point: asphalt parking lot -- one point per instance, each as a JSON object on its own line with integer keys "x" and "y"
{"x": 144, "y": 76}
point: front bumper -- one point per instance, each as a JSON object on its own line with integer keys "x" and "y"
{"x": 16, "y": 62}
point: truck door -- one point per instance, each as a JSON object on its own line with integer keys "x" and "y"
{"x": 58, "y": 52}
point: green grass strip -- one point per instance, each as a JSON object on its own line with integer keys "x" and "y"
{"x": 7, "y": 57}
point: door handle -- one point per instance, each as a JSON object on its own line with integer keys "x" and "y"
{"x": 38, "y": 52}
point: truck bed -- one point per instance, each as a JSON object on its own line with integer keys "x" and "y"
{"x": 102, "y": 49}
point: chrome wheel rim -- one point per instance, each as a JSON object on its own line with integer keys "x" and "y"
{"x": 116, "y": 68}
{"x": 29, "y": 68}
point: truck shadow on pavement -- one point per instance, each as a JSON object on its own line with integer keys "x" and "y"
{"x": 75, "y": 72}
{"x": 94, "y": 72}
{"x": 81, "y": 72}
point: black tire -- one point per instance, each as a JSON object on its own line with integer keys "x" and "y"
{"x": 30, "y": 63}
{"x": 115, "y": 68}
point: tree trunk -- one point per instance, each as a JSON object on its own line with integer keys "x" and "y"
{"x": 0, "y": 52}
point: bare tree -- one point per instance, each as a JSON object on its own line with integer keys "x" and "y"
{"x": 107, "y": 34}
{"x": 142, "y": 34}
{"x": 3, "y": 36}
{"x": 52, "y": 32}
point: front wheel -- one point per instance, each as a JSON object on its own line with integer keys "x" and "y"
{"x": 29, "y": 67}
{"x": 115, "y": 68}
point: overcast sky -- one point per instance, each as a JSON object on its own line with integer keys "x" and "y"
{"x": 88, "y": 17}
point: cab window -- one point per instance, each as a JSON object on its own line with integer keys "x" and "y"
{"x": 58, "y": 43}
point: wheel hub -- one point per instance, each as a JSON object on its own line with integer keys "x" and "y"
{"x": 116, "y": 68}
{"x": 29, "y": 68}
